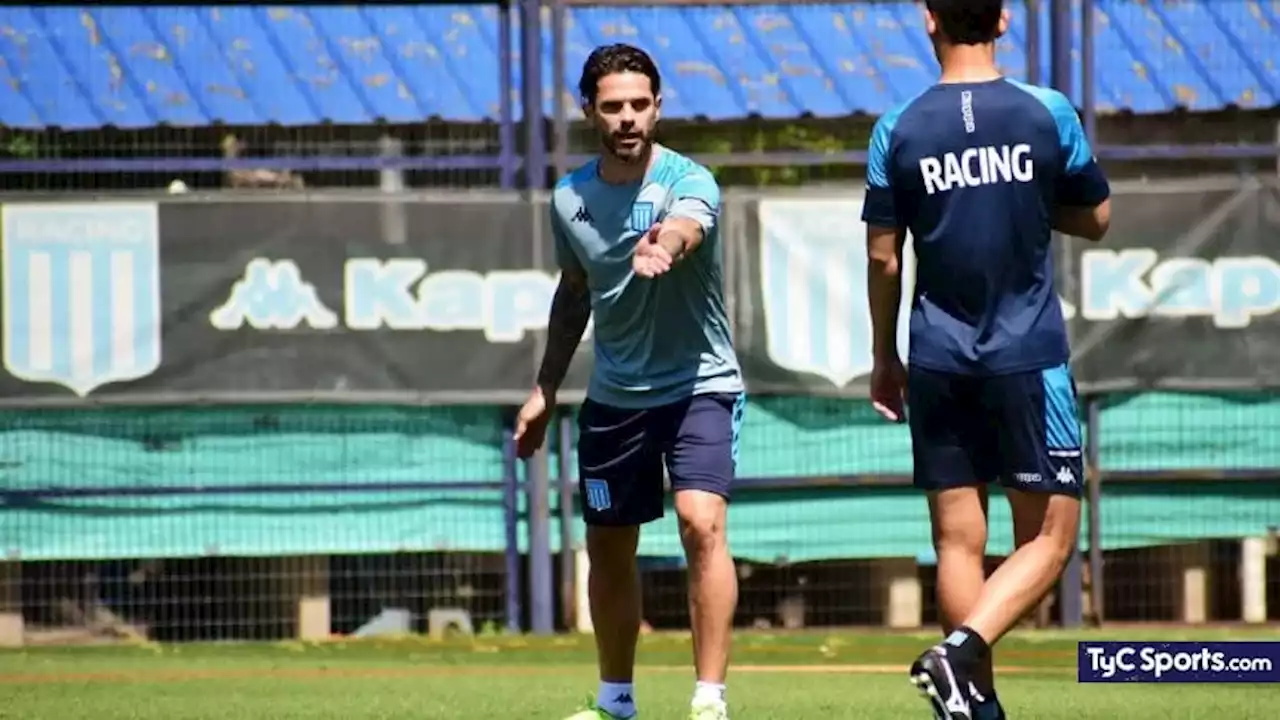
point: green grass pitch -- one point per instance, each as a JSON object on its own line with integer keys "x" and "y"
{"x": 779, "y": 676}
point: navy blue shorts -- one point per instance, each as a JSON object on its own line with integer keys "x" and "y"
{"x": 621, "y": 454}
{"x": 1021, "y": 429}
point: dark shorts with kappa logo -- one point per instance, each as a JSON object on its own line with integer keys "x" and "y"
{"x": 621, "y": 454}
{"x": 1021, "y": 429}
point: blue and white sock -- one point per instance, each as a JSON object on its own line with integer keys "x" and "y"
{"x": 617, "y": 699}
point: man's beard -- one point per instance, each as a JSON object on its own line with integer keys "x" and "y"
{"x": 633, "y": 152}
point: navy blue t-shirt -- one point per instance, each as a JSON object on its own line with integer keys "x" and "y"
{"x": 975, "y": 171}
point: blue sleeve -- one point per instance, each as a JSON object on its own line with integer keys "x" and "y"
{"x": 878, "y": 206}
{"x": 696, "y": 195}
{"x": 1082, "y": 183}
{"x": 565, "y": 257}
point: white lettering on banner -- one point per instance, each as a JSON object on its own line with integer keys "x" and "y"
{"x": 393, "y": 294}
{"x": 1135, "y": 283}
{"x": 976, "y": 166}
{"x": 401, "y": 295}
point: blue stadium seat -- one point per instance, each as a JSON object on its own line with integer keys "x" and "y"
{"x": 1011, "y": 50}
{"x": 697, "y": 84}
{"x": 38, "y": 90}
{"x": 310, "y": 51}
{"x": 71, "y": 44}
{"x": 135, "y": 67}
{"x": 1233, "y": 44}
{"x": 466, "y": 40}
{"x": 267, "y": 81}
{"x": 1161, "y": 57}
{"x": 211, "y": 75}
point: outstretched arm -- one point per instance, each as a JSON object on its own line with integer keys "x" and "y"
{"x": 680, "y": 236}
{"x": 693, "y": 215}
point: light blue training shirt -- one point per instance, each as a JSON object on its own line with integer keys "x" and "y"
{"x": 657, "y": 340}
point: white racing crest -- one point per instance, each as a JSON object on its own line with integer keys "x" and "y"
{"x": 81, "y": 292}
{"x": 813, "y": 279}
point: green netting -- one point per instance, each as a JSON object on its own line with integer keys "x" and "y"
{"x": 351, "y": 445}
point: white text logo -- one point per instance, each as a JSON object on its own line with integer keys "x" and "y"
{"x": 978, "y": 166}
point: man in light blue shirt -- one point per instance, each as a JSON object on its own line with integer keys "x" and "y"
{"x": 658, "y": 341}
{"x": 638, "y": 244}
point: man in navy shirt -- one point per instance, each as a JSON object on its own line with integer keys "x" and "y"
{"x": 980, "y": 170}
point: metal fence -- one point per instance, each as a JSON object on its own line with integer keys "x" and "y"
{"x": 1197, "y": 104}
{"x": 1214, "y": 559}
{"x": 125, "y": 575}
{"x": 365, "y": 473}
{"x": 219, "y": 523}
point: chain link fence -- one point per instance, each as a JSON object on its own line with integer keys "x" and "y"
{"x": 221, "y": 523}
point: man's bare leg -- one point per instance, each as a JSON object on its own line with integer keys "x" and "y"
{"x": 1013, "y": 590}
{"x": 613, "y": 587}
{"x": 959, "y": 518}
{"x": 713, "y": 588}
{"x": 1051, "y": 525}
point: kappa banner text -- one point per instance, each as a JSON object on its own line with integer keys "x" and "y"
{"x": 1136, "y": 283}
{"x": 400, "y": 294}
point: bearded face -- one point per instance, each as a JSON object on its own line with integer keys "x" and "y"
{"x": 625, "y": 114}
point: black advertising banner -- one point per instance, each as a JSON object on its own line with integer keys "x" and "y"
{"x": 446, "y": 300}
{"x": 261, "y": 300}
{"x": 1181, "y": 294}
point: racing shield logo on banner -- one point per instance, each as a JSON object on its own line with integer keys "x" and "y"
{"x": 81, "y": 292}
{"x": 813, "y": 286}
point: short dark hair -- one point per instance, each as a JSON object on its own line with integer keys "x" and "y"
{"x": 967, "y": 22}
{"x": 620, "y": 58}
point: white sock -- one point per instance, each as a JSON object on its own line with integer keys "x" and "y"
{"x": 705, "y": 693}
{"x": 617, "y": 699}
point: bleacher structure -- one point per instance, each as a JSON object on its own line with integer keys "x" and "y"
{"x": 173, "y": 86}
{"x": 135, "y": 98}
{"x": 139, "y": 67}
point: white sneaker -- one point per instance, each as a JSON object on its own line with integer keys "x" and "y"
{"x": 709, "y": 711}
